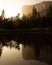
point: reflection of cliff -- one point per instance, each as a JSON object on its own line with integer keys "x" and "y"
{"x": 28, "y": 52}
{"x": 42, "y": 53}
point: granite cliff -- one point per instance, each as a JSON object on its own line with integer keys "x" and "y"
{"x": 41, "y": 8}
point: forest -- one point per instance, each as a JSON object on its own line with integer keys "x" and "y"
{"x": 35, "y": 20}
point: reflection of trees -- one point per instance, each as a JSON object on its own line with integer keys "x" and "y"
{"x": 0, "y": 50}
{"x": 13, "y": 44}
{"x": 37, "y": 51}
{"x": 30, "y": 51}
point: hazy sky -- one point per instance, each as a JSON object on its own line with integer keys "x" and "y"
{"x": 12, "y": 7}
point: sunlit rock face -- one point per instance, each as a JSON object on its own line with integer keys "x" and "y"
{"x": 41, "y": 7}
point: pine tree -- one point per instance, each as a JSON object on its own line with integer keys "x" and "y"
{"x": 34, "y": 12}
{"x": 49, "y": 11}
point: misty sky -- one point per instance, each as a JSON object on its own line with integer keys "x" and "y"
{"x": 15, "y": 6}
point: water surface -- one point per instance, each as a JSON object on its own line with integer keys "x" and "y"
{"x": 27, "y": 49}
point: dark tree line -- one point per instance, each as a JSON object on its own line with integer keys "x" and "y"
{"x": 35, "y": 20}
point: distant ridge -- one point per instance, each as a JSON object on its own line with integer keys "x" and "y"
{"x": 41, "y": 7}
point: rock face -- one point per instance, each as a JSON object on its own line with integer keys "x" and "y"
{"x": 41, "y": 7}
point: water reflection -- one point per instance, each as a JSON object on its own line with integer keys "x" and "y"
{"x": 10, "y": 56}
{"x": 28, "y": 49}
{"x": 0, "y": 49}
{"x": 32, "y": 52}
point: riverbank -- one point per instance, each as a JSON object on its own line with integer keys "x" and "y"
{"x": 26, "y": 30}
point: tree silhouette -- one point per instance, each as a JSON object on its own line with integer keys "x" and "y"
{"x": 49, "y": 11}
{"x": 3, "y": 14}
{"x": 49, "y": 16}
{"x": 34, "y": 12}
{"x": 33, "y": 18}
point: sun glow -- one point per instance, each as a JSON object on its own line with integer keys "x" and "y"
{"x": 12, "y": 11}
{"x": 10, "y": 8}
